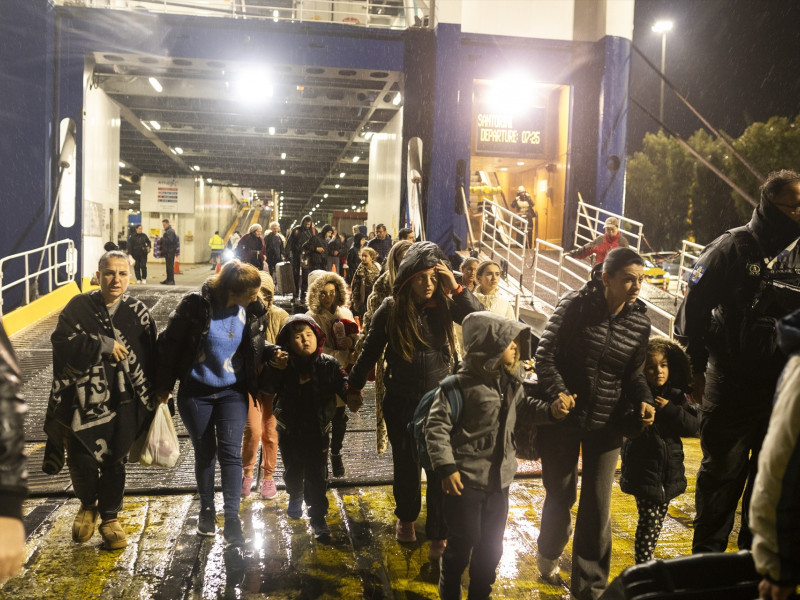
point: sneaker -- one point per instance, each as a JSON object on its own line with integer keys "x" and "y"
{"x": 404, "y": 531}
{"x": 320, "y": 527}
{"x": 548, "y": 568}
{"x": 247, "y": 485}
{"x": 268, "y": 488}
{"x": 337, "y": 465}
{"x": 437, "y": 549}
{"x": 113, "y": 535}
{"x": 295, "y": 508}
{"x": 143, "y": 282}
{"x": 233, "y": 532}
{"x": 206, "y": 522}
{"x": 83, "y": 525}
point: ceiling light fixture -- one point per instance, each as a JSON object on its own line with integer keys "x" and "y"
{"x": 209, "y": 180}
{"x": 397, "y": 99}
{"x": 156, "y": 125}
{"x": 122, "y": 164}
{"x": 271, "y": 131}
{"x": 145, "y": 125}
{"x": 283, "y": 171}
{"x": 196, "y": 167}
{"x": 356, "y": 159}
{"x": 131, "y": 202}
{"x": 156, "y": 84}
{"x": 275, "y": 15}
{"x": 283, "y": 155}
{"x": 363, "y": 202}
{"x": 179, "y": 150}
{"x": 336, "y": 186}
{"x": 342, "y": 174}
{"x": 324, "y": 195}
{"x": 138, "y": 192}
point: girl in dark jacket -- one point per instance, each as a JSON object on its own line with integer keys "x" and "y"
{"x": 214, "y": 344}
{"x": 415, "y": 326}
{"x": 354, "y": 256}
{"x": 590, "y": 361}
{"x": 652, "y": 463}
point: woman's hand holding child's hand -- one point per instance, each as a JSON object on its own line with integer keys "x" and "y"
{"x": 561, "y": 406}
{"x": 280, "y": 360}
{"x": 354, "y": 400}
{"x": 648, "y": 413}
{"x": 452, "y": 484}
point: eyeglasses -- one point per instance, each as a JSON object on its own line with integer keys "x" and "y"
{"x": 793, "y": 208}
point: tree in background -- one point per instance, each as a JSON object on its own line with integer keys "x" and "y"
{"x": 678, "y": 198}
{"x": 658, "y": 190}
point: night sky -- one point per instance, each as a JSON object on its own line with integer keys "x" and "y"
{"x": 736, "y": 61}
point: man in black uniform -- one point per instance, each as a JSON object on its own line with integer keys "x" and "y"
{"x": 742, "y": 283}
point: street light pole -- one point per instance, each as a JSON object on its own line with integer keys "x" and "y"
{"x": 662, "y": 27}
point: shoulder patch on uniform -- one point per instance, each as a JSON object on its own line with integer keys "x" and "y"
{"x": 697, "y": 273}
{"x": 754, "y": 269}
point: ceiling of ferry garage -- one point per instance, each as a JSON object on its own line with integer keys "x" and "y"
{"x": 235, "y": 121}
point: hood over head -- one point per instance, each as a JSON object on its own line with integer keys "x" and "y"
{"x": 773, "y": 229}
{"x": 420, "y": 257}
{"x": 680, "y": 369}
{"x": 325, "y": 229}
{"x": 306, "y": 219}
{"x": 317, "y": 280}
{"x": 789, "y": 333}
{"x": 267, "y": 287}
{"x": 486, "y": 337}
{"x": 283, "y": 335}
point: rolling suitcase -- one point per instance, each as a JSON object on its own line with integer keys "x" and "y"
{"x": 710, "y": 576}
{"x": 284, "y": 279}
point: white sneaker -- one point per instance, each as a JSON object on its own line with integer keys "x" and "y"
{"x": 143, "y": 282}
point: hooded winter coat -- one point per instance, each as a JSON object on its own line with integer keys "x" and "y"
{"x": 431, "y": 362}
{"x": 480, "y": 445}
{"x": 298, "y": 238}
{"x": 652, "y": 463}
{"x": 317, "y": 280}
{"x": 775, "y": 503}
{"x": 304, "y": 407}
{"x": 318, "y": 250}
{"x": 584, "y": 350}
{"x": 180, "y": 344}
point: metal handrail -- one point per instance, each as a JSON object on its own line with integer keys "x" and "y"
{"x": 591, "y": 218}
{"x": 52, "y": 262}
{"x": 501, "y": 231}
{"x": 689, "y": 252}
{"x": 361, "y": 13}
{"x": 562, "y": 266}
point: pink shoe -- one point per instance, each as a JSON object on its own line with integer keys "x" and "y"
{"x": 404, "y": 531}
{"x": 268, "y": 489}
{"x": 247, "y": 485}
{"x": 437, "y": 549}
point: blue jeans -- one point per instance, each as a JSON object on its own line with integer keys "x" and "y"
{"x": 215, "y": 420}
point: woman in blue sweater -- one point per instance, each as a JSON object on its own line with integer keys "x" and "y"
{"x": 214, "y": 343}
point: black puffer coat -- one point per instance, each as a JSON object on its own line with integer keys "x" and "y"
{"x": 585, "y": 351}
{"x": 180, "y": 343}
{"x": 652, "y": 464}
{"x": 304, "y": 408}
{"x": 434, "y": 361}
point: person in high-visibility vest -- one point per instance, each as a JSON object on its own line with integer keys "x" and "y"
{"x": 217, "y": 245}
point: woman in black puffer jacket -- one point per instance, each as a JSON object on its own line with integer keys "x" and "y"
{"x": 590, "y": 362}
{"x": 415, "y": 325}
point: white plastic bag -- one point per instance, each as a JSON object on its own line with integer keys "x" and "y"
{"x": 161, "y": 448}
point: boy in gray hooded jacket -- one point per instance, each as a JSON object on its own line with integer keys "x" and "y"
{"x": 475, "y": 456}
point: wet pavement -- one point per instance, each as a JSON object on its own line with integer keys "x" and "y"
{"x": 165, "y": 559}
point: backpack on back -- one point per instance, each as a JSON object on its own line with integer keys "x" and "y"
{"x": 419, "y": 449}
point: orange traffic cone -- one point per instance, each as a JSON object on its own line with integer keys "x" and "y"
{"x": 219, "y": 266}
{"x": 333, "y": 268}
{"x": 177, "y": 270}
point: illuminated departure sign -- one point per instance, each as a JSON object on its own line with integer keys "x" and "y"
{"x": 498, "y": 134}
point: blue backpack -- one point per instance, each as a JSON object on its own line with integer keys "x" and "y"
{"x": 416, "y": 428}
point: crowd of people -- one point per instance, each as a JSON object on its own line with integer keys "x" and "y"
{"x": 249, "y": 373}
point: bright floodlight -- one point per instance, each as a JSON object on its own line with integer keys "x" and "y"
{"x": 156, "y": 84}
{"x": 662, "y": 26}
{"x": 253, "y": 85}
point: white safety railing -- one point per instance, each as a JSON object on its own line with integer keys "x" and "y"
{"x": 690, "y": 252}
{"x": 382, "y": 14}
{"x": 591, "y": 219}
{"x": 58, "y": 263}
{"x": 555, "y": 274}
{"x": 503, "y": 233}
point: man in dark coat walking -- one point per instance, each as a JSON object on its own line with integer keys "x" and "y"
{"x": 169, "y": 250}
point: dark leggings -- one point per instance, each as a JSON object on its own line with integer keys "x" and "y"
{"x": 103, "y": 485}
{"x": 140, "y": 267}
